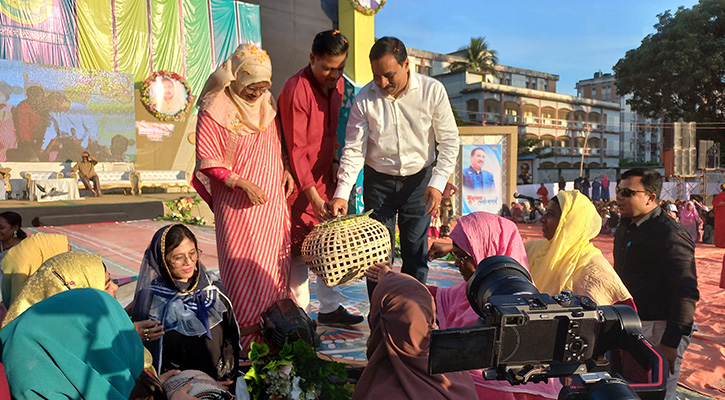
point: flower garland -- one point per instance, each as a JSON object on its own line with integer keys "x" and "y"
{"x": 366, "y": 10}
{"x": 151, "y": 106}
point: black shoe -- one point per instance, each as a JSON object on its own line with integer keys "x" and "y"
{"x": 340, "y": 316}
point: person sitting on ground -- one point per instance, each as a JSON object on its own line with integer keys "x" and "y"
{"x": 86, "y": 171}
{"x": 11, "y": 232}
{"x": 402, "y": 314}
{"x": 65, "y": 271}
{"x": 477, "y": 236}
{"x": 505, "y": 212}
{"x": 25, "y": 258}
{"x": 96, "y": 354}
{"x": 566, "y": 259}
{"x": 198, "y": 329}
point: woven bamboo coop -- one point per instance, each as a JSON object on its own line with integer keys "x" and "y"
{"x": 342, "y": 249}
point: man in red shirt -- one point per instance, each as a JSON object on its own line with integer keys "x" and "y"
{"x": 309, "y": 107}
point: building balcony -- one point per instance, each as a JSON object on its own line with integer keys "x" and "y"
{"x": 492, "y": 117}
{"x": 528, "y": 120}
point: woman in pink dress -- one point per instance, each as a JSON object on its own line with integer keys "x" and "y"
{"x": 240, "y": 174}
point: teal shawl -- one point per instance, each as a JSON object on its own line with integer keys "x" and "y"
{"x": 78, "y": 344}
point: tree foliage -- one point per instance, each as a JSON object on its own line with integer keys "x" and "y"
{"x": 529, "y": 145}
{"x": 479, "y": 57}
{"x": 678, "y": 73}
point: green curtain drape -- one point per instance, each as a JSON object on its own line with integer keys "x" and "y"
{"x": 133, "y": 38}
{"x": 95, "y": 36}
{"x": 198, "y": 44}
{"x": 166, "y": 36}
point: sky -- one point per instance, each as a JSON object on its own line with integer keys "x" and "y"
{"x": 570, "y": 38}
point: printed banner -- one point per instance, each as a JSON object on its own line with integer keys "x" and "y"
{"x": 481, "y": 176}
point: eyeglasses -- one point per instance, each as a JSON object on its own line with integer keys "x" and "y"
{"x": 461, "y": 257}
{"x": 627, "y": 192}
{"x": 256, "y": 90}
{"x": 180, "y": 259}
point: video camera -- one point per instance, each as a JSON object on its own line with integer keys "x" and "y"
{"x": 526, "y": 336}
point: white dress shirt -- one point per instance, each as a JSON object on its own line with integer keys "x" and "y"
{"x": 397, "y": 136}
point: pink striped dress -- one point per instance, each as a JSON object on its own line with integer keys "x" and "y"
{"x": 252, "y": 241}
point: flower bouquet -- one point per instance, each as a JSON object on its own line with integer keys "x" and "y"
{"x": 180, "y": 211}
{"x": 295, "y": 373}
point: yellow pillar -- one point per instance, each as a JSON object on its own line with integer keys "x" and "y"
{"x": 360, "y": 32}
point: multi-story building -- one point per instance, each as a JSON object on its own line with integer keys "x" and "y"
{"x": 574, "y": 129}
{"x": 641, "y": 137}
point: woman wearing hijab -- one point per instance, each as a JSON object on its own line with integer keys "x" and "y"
{"x": 690, "y": 219}
{"x": 402, "y": 313}
{"x": 197, "y": 325}
{"x": 477, "y": 236}
{"x": 566, "y": 258}
{"x": 25, "y": 258}
{"x": 240, "y": 174}
{"x": 78, "y": 344}
{"x": 66, "y": 271}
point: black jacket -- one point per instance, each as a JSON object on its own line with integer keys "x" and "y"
{"x": 656, "y": 261}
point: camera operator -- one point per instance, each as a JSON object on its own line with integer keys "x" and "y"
{"x": 477, "y": 236}
{"x": 566, "y": 259}
{"x": 655, "y": 257}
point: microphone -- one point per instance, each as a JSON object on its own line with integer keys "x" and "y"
{"x": 522, "y": 196}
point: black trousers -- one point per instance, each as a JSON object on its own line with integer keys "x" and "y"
{"x": 402, "y": 197}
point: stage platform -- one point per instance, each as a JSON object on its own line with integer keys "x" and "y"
{"x": 122, "y": 245}
{"x": 88, "y": 210}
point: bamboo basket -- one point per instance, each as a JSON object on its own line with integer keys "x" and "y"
{"x": 343, "y": 248}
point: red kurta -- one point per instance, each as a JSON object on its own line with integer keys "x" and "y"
{"x": 309, "y": 122}
{"x": 719, "y": 219}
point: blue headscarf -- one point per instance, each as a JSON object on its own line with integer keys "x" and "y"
{"x": 190, "y": 308}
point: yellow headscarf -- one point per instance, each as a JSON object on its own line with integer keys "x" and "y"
{"x": 69, "y": 270}
{"x": 25, "y": 258}
{"x": 553, "y": 262}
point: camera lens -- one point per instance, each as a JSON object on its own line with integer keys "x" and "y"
{"x": 497, "y": 275}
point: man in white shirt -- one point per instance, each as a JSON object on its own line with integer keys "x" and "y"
{"x": 394, "y": 126}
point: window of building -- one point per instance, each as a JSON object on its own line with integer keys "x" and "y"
{"x": 428, "y": 71}
{"x": 472, "y": 108}
{"x": 419, "y": 69}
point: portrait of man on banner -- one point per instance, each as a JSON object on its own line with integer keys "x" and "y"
{"x": 481, "y": 175}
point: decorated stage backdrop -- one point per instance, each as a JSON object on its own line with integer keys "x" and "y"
{"x": 131, "y": 38}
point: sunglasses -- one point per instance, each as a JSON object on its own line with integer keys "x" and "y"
{"x": 627, "y": 192}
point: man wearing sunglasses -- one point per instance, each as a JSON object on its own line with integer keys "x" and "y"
{"x": 655, "y": 257}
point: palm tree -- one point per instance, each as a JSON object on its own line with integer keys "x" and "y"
{"x": 479, "y": 57}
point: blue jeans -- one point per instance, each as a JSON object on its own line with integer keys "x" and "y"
{"x": 402, "y": 196}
